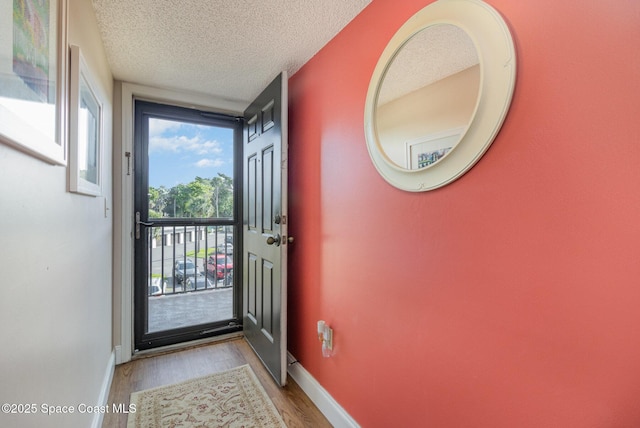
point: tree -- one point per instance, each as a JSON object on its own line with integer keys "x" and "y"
{"x": 201, "y": 198}
{"x": 199, "y": 203}
{"x": 222, "y": 196}
{"x": 157, "y": 201}
{"x": 178, "y": 198}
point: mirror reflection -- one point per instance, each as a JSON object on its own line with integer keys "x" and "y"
{"x": 427, "y": 97}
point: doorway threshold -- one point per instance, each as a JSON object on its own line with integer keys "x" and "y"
{"x": 146, "y": 353}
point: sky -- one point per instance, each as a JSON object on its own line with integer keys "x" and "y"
{"x": 179, "y": 152}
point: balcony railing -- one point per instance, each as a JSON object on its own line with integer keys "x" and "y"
{"x": 186, "y": 259}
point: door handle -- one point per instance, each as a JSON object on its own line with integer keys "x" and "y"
{"x": 277, "y": 240}
{"x": 274, "y": 240}
{"x": 139, "y": 222}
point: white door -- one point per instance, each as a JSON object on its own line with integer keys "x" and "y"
{"x": 265, "y": 227}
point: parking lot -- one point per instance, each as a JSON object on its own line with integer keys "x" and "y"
{"x": 187, "y": 287}
{"x": 183, "y": 243}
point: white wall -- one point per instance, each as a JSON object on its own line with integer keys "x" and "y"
{"x": 56, "y": 265}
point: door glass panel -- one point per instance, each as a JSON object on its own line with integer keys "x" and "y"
{"x": 190, "y": 170}
{"x": 190, "y": 276}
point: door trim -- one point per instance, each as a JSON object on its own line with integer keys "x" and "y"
{"x": 124, "y": 95}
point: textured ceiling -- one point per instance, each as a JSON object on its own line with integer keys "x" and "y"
{"x": 430, "y": 55}
{"x": 230, "y": 49}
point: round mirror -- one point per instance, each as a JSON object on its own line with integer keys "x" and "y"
{"x": 439, "y": 94}
{"x": 427, "y": 96}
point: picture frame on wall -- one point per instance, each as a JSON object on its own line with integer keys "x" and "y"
{"x": 427, "y": 150}
{"x": 33, "y": 77}
{"x": 86, "y": 117}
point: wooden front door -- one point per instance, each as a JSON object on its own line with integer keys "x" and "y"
{"x": 265, "y": 227}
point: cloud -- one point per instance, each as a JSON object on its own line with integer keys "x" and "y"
{"x": 158, "y": 126}
{"x": 180, "y": 144}
{"x": 175, "y": 137}
{"x": 209, "y": 163}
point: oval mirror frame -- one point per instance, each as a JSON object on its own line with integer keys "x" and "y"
{"x": 497, "y": 61}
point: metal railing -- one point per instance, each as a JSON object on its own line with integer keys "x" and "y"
{"x": 185, "y": 259}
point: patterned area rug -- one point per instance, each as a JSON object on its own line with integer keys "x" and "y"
{"x": 230, "y": 399}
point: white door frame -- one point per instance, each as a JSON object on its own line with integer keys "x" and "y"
{"x": 124, "y": 94}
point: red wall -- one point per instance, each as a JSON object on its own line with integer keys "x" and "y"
{"x": 509, "y": 298}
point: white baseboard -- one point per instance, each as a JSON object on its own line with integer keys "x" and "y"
{"x": 337, "y": 416}
{"x": 98, "y": 417}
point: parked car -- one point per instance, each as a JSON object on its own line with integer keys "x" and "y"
{"x": 219, "y": 266}
{"x": 198, "y": 282}
{"x": 157, "y": 286}
{"x": 225, "y": 249}
{"x": 183, "y": 269}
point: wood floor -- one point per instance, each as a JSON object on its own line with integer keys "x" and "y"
{"x": 164, "y": 369}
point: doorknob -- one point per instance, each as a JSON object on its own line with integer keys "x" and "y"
{"x": 274, "y": 240}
